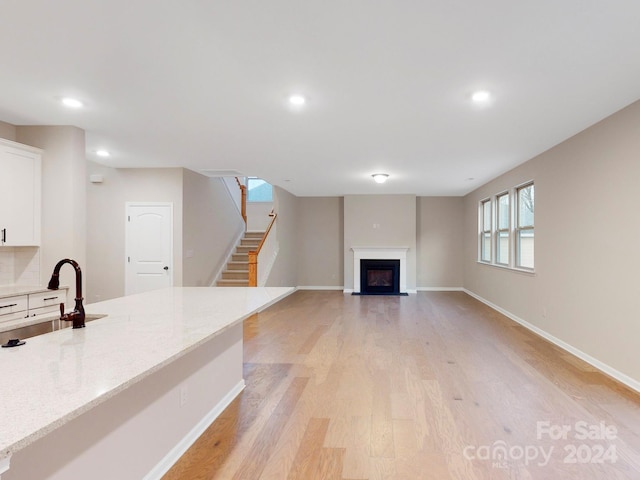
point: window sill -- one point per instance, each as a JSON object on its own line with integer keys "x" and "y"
{"x": 530, "y": 273}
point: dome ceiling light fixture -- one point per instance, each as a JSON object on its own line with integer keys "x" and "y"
{"x": 72, "y": 102}
{"x": 380, "y": 177}
{"x": 481, "y": 97}
{"x": 297, "y": 100}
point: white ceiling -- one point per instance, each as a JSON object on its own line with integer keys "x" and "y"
{"x": 203, "y": 84}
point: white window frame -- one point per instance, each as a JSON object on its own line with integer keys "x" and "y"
{"x": 513, "y": 230}
{"x": 484, "y": 233}
{"x": 526, "y": 228}
{"x": 498, "y": 230}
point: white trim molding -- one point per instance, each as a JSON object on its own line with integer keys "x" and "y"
{"x": 440, "y": 289}
{"x": 379, "y": 253}
{"x": 176, "y": 452}
{"x": 4, "y": 464}
{"x": 603, "y": 367}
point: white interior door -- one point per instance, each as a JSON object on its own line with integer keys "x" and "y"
{"x": 149, "y": 251}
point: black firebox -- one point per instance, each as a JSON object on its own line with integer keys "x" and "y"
{"x": 379, "y": 277}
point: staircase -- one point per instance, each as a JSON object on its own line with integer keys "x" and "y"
{"x": 237, "y": 272}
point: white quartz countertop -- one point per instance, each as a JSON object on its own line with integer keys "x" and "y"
{"x": 55, "y": 377}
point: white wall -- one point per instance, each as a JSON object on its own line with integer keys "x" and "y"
{"x": 106, "y": 222}
{"x": 380, "y": 221}
{"x": 585, "y": 290}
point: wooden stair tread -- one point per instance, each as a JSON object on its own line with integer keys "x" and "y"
{"x": 238, "y": 265}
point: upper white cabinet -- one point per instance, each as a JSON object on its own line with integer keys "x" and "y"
{"x": 20, "y": 194}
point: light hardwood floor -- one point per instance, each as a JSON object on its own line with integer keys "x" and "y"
{"x": 428, "y": 386}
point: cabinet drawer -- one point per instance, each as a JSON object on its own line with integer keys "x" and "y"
{"x": 12, "y": 305}
{"x": 52, "y": 298}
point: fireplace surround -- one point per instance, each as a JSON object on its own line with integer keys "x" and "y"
{"x": 380, "y": 253}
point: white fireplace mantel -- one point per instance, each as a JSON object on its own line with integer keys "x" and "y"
{"x": 379, "y": 253}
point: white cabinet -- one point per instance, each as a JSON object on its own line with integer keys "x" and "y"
{"x": 13, "y": 308}
{"x": 20, "y": 194}
{"x": 46, "y": 303}
{"x": 29, "y": 305}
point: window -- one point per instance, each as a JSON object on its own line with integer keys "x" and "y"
{"x": 524, "y": 231}
{"x": 485, "y": 231}
{"x": 258, "y": 190}
{"x": 506, "y": 228}
{"x": 502, "y": 231}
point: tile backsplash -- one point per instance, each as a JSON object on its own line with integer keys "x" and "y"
{"x": 19, "y": 266}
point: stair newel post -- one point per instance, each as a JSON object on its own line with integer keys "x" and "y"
{"x": 253, "y": 269}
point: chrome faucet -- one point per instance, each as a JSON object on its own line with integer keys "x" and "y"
{"x": 77, "y": 316}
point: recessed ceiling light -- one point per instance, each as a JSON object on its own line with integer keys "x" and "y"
{"x": 481, "y": 96}
{"x": 103, "y": 153}
{"x": 297, "y": 100}
{"x": 72, "y": 102}
{"x": 380, "y": 177}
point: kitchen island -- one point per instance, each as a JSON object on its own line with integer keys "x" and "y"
{"x": 125, "y": 396}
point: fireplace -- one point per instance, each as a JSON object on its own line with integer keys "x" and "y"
{"x": 379, "y": 277}
{"x": 397, "y": 254}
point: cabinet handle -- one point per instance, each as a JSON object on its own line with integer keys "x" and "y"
{"x": 7, "y": 306}
{"x": 49, "y": 298}
{"x": 4, "y": 235}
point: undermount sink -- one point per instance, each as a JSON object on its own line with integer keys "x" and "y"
{"x": 46, "y": 326}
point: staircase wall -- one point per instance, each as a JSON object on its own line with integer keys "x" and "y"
{"x": 284, "y": 271}
{"x": 211, "y": 226}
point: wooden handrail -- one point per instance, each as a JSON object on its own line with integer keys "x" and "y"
{"x": 253, "y": 254}
{"x": 243, "y": 207}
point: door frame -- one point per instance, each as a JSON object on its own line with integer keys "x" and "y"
{"x": 127, "y": 205}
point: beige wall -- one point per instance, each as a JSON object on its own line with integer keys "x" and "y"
{"x": 64, "y": 194}
{"x": 284, "y": 271}
{"x": 211, "y": 225}
{"x": 585, "y": 290}
{"x": 395, "y": 217}
{"x": 106, "y": 222}
{"x": 320, "y": 241}
{"x": 439, "y": 242}
{"x": 258, "y": 218}
{"x": 7, "y": 131}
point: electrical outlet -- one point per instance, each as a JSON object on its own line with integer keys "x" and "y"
{"x": 183, "y": 395}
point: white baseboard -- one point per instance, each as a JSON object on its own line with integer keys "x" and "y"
{"x": 603, "y": 367}
{"x": 4, "y": 464}
{"x": 316, "y": 287}
{"x": 440, "y": 289}
{"x": 176, "y": 452}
